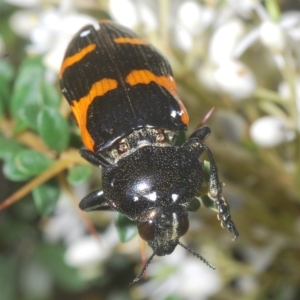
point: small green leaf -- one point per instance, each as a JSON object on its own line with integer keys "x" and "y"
{"x": 4, "y": 96}
{"x": 28, "y": 86}
{"x": 20, "y": 126}
{"x": 273, "y": 9}
{"x": 11, "y": 171}
{"x": 53, "y": 129}
{"x": 181, "y": 138}
{"x": 46, "y": 196}
{"x": 79, "y": 174}
{"x": 31, "y": 162}
{"x": 6, "y": 70}
{"x": 193, "y": 205}
{"x": 6, "y": 75}
{"x": 9, "y": 148}
{"x": 28, "y": 115}
{"x": 126, "y": 228}
{"x": 51, "y": 95}
{"x": 206, "y": 170}
{"x": 209, "y": 203}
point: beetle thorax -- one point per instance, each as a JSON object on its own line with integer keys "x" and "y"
{"x": 137, "y": 139}
{"x": 153, "y": 177}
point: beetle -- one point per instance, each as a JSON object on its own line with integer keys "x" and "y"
{"x": 124, "y": 98}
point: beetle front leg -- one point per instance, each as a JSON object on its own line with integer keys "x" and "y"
{"x": 94, "y": 201}
{"x": 93, "y": 158}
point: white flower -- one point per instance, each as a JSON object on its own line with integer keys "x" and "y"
{"x": 235, "y": 79}
{"x": 272, "y": 36}
{"x": 224, "y": 40}
{"x": 90, "y": 250}
{"x": 188, "y": 277}
{"x": 243, "y": 7}
{"x": 284, "y": 89}
{"x": 132, "y": 13}
{"x": 23, "y": 3}
{"x": 70, "y": 24}
{"x": 270, "y": 131}
{"x": 189, "y": 16}
{"x": 65, "y": 225}
{"x": 49, "y": 31}
{"x": 192, "y": 20}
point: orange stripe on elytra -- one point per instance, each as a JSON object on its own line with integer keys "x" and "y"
{"x": 80, "y": 107}
{"x": 70, "y": 60}
{"x": 128, "y": 40}
{"x": 146, "y": 76}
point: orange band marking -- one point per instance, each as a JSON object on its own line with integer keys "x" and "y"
{"x": 69, "y": 61}
{"x": 146, "y": 76}
{"x": 127, "y": 40}
{"x": 80, "y": 107}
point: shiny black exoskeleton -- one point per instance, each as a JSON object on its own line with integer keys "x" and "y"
{"x": 156, "y": 186}
{"x": 124, "y": 98}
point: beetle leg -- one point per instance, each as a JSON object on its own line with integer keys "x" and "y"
{"x": 201, "y": 133}
{"x": 195, "y": 142}
{"x": 94, "y": 159}
{"x": 215, "y": 194}
{"x": 94, "y": 201}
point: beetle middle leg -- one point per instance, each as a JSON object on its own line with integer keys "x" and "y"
{"x": 195, "y": 143}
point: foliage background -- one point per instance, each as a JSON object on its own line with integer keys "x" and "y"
{"x": 51, "y": 250}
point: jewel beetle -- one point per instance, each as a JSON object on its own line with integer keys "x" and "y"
{"x": 124, "y": 98}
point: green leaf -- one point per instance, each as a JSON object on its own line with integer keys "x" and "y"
{"x": 46, "y": 196}
{"x": 9, "y": 148}
{"x": 206, "y": 170}
{"x": 126, "y": 228}
{"x": 4, "y": 96}
{"x": 181, "y": 138}
{"x": 79, "y": 174}
{"x": 7, "y": 72}
{"x": 28, "y": 115}
{"x": 9, "y": 265}
{"x": 28, "y": 86}
{"x": 51, "y": 95}
{"x": 193, "y": 205}
{"x": 31, "y": 162}
{"x": 53, "y": 129}
{"x": 273, "y": 9}
{"x": 209, "y": 203}
{"x": 11, "y": 171}
{"x": 6, "y": 75}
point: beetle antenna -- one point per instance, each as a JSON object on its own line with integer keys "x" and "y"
{"x": 137, "y": 278}
{"x": 197, "y": 255}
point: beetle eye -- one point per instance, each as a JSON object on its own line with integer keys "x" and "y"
{"x": 147, "y": 230}
{"x": 183, "y": 225}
